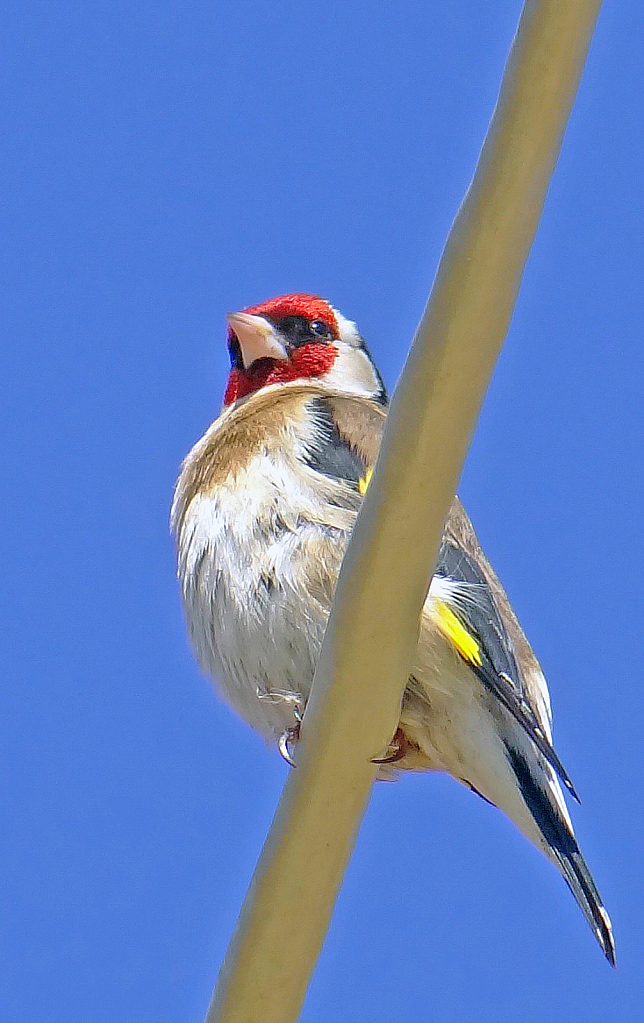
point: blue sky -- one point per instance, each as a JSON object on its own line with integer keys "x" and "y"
{"x": 163, "y": 164}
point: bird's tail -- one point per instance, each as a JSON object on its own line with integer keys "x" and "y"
{"x": 581, "y": 884}
{"x": 561, "y": 846}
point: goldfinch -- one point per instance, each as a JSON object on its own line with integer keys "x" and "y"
{"x": 262, "y": 514}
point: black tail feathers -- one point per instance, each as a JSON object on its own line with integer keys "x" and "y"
{"x": 563, "y": 848}
{"x": 581, "y": 884}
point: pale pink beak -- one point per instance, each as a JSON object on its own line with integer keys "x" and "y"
{"x": 256, "y": 337}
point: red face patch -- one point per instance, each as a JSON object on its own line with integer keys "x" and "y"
{"x": 305, "y": 363}
{"x": 311, "y": 307}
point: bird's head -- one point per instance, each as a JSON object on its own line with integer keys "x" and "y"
{"x": 298, "y": 337}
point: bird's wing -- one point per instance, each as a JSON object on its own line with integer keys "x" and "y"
{"x": 497, "y": 650}
{"x": 470, "y": 606}
{"x": 477, "y": 617}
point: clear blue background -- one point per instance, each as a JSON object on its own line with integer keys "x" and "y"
{"x": 163, "y": 164}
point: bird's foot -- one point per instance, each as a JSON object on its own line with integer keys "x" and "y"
{"x": 399, "y": 747}
{"x": 289, "y": 736}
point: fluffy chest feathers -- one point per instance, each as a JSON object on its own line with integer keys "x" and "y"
{"x": 263, "y": 511}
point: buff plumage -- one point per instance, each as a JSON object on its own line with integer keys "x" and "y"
{"x": 263, "y": 512}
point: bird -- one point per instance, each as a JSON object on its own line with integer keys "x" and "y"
{"x": 262, "y": 514}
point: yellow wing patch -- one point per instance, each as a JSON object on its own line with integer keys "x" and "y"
{"x": 454, "y": 630}
{"x": 364, "y": 482}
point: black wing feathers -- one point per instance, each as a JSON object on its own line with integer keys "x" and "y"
{"x": 498, "y": 673}
{"x": 334, "y": 456}
{"x": 482, "y": 611}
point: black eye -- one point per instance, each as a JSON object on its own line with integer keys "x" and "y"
{"x": 319, "y": 328}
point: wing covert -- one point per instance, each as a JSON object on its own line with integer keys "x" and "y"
{"x": 495, "y": 664}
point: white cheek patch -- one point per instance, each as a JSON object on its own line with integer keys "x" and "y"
{"x": 352, "y": 371}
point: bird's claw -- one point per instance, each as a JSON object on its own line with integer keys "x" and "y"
{"x": 399, "y": 745}
{"x": 287, "y": 737}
